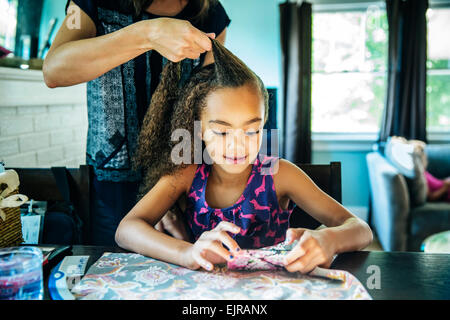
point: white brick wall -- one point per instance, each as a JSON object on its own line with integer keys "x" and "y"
{"x": 41, "y": 127}
{"x": 43, "y": 136}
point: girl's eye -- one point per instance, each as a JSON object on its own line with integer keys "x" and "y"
{"x": 249, "y": 133}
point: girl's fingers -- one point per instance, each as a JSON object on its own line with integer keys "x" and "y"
{"x": 314, "y": 261}
{"x": 222, "y": 229}
{"x": 218, "y": 249}
{"x": 293, "y": 234}
{"x": 302, "y": 263}
{"x": 299, "y": 250}
{"x": 205, "y": 264}
{"x": 223, "y": 237}
{"x": 313, "y": 264}
{"x": 227, "y": 226}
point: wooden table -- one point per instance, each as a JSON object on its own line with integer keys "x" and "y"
{"x": 399, "y": 275}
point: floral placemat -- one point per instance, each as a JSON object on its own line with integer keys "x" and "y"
{"x": 135, "y": 277}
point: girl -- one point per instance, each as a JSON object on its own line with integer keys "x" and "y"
{"x": 231, "y": 203}
{"x": 437, "y": 189}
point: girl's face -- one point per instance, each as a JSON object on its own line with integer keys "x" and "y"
{"x": 232, "y": 124}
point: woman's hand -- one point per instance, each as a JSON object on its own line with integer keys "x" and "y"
{"x": 172, "y": 224}
{"x": 314, "y": 248}
{"x": 208, "y": 249}
{"x": 177, "y": 39}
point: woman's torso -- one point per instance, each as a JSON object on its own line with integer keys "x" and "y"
{"x": 118, "y": 100}
{"x": 262, "y": 215}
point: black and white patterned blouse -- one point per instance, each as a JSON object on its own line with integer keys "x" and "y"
{"x": 118, "y": 100}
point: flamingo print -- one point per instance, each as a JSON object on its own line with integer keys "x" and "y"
{"x": 262, "y": 222}
{"x": 261, "y": 188}
{"x": 250, "y": 216}
{"x": 271, "y": 233}
{"x": 194, "y": 195}
{"x": 257, "y": 206}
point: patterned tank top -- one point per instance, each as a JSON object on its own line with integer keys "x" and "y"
{"x": 257, "y": 212}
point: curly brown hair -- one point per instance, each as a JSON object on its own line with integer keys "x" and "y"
{"x": 176, "y": 106}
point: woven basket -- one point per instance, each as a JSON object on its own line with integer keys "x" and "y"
{"x": 10, "y": 222}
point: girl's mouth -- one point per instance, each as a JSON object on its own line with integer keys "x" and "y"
{"x": 234, "y": 160}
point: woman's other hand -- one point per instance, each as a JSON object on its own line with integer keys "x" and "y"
{"x": 314, "y": 248}
{"x": 208, "y": 250}
{"x": 172, "y": 224}
{"x": 177, "y": 39}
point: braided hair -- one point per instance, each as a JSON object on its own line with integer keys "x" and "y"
{"x": 174, "y": 107}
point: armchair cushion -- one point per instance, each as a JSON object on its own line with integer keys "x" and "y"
{"x": 438, "y": 160}
{"x": 390, "y": 202}
{"x": 431, "y": 218}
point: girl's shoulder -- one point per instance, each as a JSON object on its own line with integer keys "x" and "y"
{"x": 284, "y": 173}
{"x": 185, "y": 176}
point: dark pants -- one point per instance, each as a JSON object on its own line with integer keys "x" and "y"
{"x": 111, "y": 201}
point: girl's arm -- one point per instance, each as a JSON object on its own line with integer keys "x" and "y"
{"x": 78, "y": 56}
{"x": 136, "y": 231}
{"x": 345, "y": 231}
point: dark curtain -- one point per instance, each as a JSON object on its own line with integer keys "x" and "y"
{"x": 270, "y": 144}
{"x": 296, "y": 40}
{"x": 405, "y": 111}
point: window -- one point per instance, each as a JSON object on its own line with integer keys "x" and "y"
{"x": 438, "y": 70}
{"x": 349, "y": 80}
{"x": 8, "y": 22}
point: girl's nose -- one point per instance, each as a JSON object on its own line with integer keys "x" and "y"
{"x": 236, "y": 143}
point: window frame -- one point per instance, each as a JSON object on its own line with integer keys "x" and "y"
{"x": 334, "y": 6}
{"x": 440, "y": 135}
{"x": 363, "y": 141}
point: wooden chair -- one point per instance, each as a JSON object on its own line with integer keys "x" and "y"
{"x": 40, "y": 184}
{"x": 328, "y": 178}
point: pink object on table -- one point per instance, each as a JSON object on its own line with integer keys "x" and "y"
{"x": 268, "y": 258}
{"x": 4, "y": 52}
{"x": 435, "y": 184}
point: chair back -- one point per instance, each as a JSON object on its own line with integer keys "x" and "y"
{"x": 40, "y": 184}
{"x": 328, "y": 178}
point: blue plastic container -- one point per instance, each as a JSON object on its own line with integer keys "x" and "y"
{"x": 21, "y": 274}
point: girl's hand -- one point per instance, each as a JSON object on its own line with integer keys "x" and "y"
{"x": 208, "y": 249}
{"x": 315, "y": 248}
{"x": 177, "y": 39}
